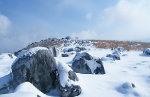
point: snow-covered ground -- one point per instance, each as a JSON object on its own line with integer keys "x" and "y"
{"x": 121, "y": 76}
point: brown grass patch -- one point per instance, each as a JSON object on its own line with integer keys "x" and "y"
{"x": 127, "y": 45}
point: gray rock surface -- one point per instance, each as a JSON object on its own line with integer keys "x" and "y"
{"x": 55, "y": 51}
{"x": 80, "y": 66}
{"x": 86, "y": 64}
{"x": 70, "y": 50}
{"x": 70, "y": 91}
{"x": 64, "y": 55}
{"x": 38, "y": 69}
{"x": 113, "y": 56}
{"x": 72, "y": 75}
{"x": 79, "y": 49}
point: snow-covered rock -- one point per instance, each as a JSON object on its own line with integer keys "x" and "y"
{"x": 6, "y": 59}
{"x": 67, "y": 78}
{"x": 86, "y": 64}
{"x": 5, "y": 84}
{"x": 146, "y": 51}
{"x": 79, "y": 49}
{"x": 106, "y": 59}
{"x": 70, "y": 49}
{"x": 116, "y": 52}
{"x": 127, "y": 88}
{"x": 55, "y": 51}
{"x": 64, "y": 55}
{"x": 113, "y": 56}
{"x": 120, "y": 49}
{"x": 36, "y": 65}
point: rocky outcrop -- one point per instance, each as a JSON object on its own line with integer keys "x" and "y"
{"x": 66, "y": 79}
{"x": 86, "y": 64}
{"x": 37, "y": 66}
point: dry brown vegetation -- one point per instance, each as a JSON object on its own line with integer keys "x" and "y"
{"x": 46, "y": 43}
{"x": 127, "y": 45}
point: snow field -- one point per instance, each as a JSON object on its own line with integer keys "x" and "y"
{"x": 134, "y": 67}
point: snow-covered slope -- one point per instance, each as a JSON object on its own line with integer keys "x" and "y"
{"x": 25, "y": 89}
{"x": 128, "y": 77}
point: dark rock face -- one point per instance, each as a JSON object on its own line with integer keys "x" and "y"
{"x": 64, "y": 55}
{"x": 146, "y": 51}
{"x": 80, "y": 66}
{"x": 72, "y": 75}
{"x": 99, "y": 69}
{"x": 5, "y": 88}
{"x": 70, "y": 49}
{"x": 133, "y": 86}
{"x": 70, "y": 91}
{"x": 84, "y": 63}
{"x": 38, "y": 69}
{"x": 55, "y": 51}
{"x": 114, "y": 56}
{"x": 10, "y": 55}
{"x": 17, "y": 53}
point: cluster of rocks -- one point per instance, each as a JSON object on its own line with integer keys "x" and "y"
{"x": 70, "y": 51}
{"x": 38, "y": 66}
{"x": 116, "y": 53}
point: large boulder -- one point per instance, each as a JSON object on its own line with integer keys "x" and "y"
{"x": 146, "y": 51}
{"x": 37, "y": 66}
{"x": 86, "y": 64}
{"x": 67, "y": 77}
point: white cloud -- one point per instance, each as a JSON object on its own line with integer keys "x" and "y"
{"x": 89, "y": 34}
{"x": 89, "y": 16}
{"x": 5, "y": 23}
{"x": 127, "y": 20}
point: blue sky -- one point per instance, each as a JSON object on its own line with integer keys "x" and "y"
{"x": 25, "y": 21}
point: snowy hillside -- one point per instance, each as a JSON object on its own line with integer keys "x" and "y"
{"x": 127, "y": 77}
